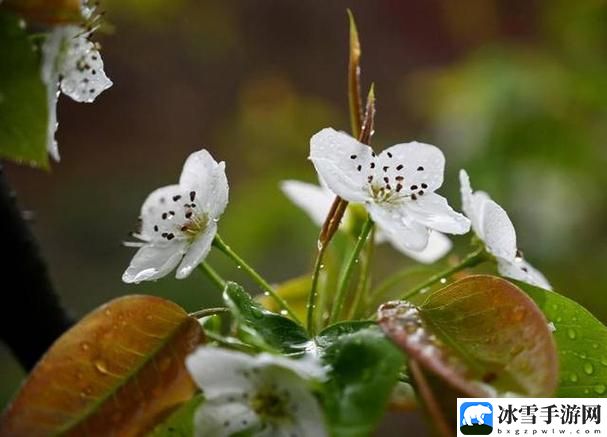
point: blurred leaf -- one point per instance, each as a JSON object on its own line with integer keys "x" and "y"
{"x": 581, "y": 343}
{"x": 23, "y": 102}
{"x": 331, "y": 334}
{"x": 266, "y": 329}
{"x": 117, "y": 372}
{"x": 181, "y": 422}
{"x": 364, "y": 371}
{"x": 294, "y": 291}
{"x": 477, "y": 331}
{"x": 47, "y": 11}
{"x": 354, "y": 97}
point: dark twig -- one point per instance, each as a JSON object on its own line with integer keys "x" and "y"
{"x": 32, "y": 317}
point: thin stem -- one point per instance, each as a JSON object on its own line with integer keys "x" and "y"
{"x": 364, "y": 279}
{"x": 208, "y": 312}
{"x": 313, "y": 296}
{"x": 212, "y": 275}
{"x": 230, "y": 342}
{"x": 256, "y": 277}
{"x": 344, "y": 280}
{"x": 397, "y": 277}
{"x": 471, "y": 260}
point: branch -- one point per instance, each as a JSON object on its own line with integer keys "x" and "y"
{"x": 33, "y": 317}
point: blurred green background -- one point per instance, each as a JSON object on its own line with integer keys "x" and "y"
{"x": 513, "y": 90}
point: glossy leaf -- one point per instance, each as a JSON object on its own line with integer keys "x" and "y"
{"x": 181, "y": 422}
{"x": 23, "y": 101}
{"x": 264, "y": 328}
{"x": 478, "y": 331}
{"x": 364, "y": 371}
{"x": 117, "y": 372}
{"x": 581, "y": 342}
{"x": 47, "y": 11}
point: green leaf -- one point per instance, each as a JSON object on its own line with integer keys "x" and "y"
{"x": 477, "y": 331}
{"x": 181, "y": 422}
{"x": 364, "y": 370}
{"x": 331, "y": 334}
{"x": 581, "y": 343}
{"x": 264, "y": 328}
{"x": 23, "y": 99}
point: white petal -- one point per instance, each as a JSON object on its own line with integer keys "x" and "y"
{"x": 472, "y": 203}
{"x": 152, "y": 262}
{"x": 314, "y": 200}
{"x": 155, "y": 205}
{"x": 83, "y": 77}
{"x": 403, "y": 233}
{"x": 307, "y": 367}
{"x": 497, "y": 231}
{"x": 219, "y": 371}
{"x": 433, "y": 211}
{"x": 418, "y": 164}
{"x": 50, "y": 77}
{"x": 438, "y": 246}
{"x": 521, "y": 270}
{"x": 197, "y": 251}
{"x": 224, "y": 420}
{"x": 207, "y": 179}
{"x": 51, "y": 143}
{"x": 343, "y": 163}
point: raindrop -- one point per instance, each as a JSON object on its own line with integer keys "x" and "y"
{"x": 239, "y": 267}
{"x": 266, "y": 293}
{"x": 571, "y": 334}
{"x": 284, "y": 312}
{"x": 586, "y": 391}
{"x": 108, "y": 312}
{"x": 588, "y": 368}
{"x": 101, "y": 367}
{"x": 573, "y": 377}
{"x": 604, "y": 361}
{"x": 85, "y": 346}
{"x": 595, "y": 345}
{"x": 322, "y": 266}
{"x": 443, "y": 280}
{"x": 600, "y": 389}
{"x": 356, "y": 261}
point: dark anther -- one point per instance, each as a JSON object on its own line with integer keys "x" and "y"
{"x": 188, "y": 214}
{"x": 424, "y": 186}
{"x": 414, "y": 187}
{"x": 388, "y": 187}
{"x": 399, "y": 178}
{"x": 400, "y": 167}
{"x": 155, "y": 228}
{"x": 413, "y": 196}
{"x": 164, "y": 235}
{"x": 420, "y": 192}
{"x": 389, "y": 155}
{"x": 192, "y": 196}
{"x": 170, "y": 236}
{"x": 420, "y": 168}
{"x": 372, "y": 165}
{"x": 352, "y": 156}
{"x": 370, "y": 178}
{"x": 164, "y": 216}
{"x": 172, "y": 212}
{"x": 398, "y": 187}
{"x": 386, "y": 168}
{"x": 176, "y": 198}
{"x": 386, "y": 179}
{"x": 359, "y": 168}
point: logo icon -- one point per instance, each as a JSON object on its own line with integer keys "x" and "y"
{"x": 476, "y": 418}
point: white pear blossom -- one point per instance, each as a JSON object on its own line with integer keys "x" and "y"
{"x": 263, "y": 395}
{"x": 493, "y": 227}
{"x": 179, "y": 222}
{"x": 72, "y": 65}
{"x": 397, "y": 186}
{"x": 316, "y": 201}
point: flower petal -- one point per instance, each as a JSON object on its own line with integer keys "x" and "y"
{"x": 152, "y": 262}
{"x": 219, "y": 371}
{"x": 413, "y": 165}
{"x": 197, "y": 251}
{"x": 521, "y": 270}
{"x": 472, "y": 203}
{"x": 497, "y": 231}
{"x": 83, "y": 77}
{"x": 205, "y": 181}
{"x": 403, "y": 233}
{"x": 433, "y": 211}
{"x": 307, "y": 367}
{"x": 343, "y": 163}
{"x": 314, "y": 200}
{"x": 438, "y": 246}
{"x": 154, "y": 215}
{"x": 224, "y": 420}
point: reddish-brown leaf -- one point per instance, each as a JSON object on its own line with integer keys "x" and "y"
{"x": 117, "y": 372}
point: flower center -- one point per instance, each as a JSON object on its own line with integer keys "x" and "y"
{"x": 269, "y": 404}
{"x": 195, "y": 225}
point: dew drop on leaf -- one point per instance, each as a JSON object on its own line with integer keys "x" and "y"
{"x": 573, "y": 377}
{"x": 600, "y": 389}
{"x": 588, "y": 368}
{"x": 571, "y": 334}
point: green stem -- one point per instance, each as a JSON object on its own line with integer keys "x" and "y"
{"x": 471, "y": 260}
{"x": 230, "y": 342}
{"x": 344, "y": 279}
{"x": 208, "y": 312}
{"x": 313, "y": 296}
{"x": 256, "y": 277}
{"x": 210, "y": 273}
{"x": 397, "y": 277}
{"x": 364, "y": 279}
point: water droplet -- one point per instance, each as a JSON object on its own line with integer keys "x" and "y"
{"x": 101, "y": 366}
{"x": 149, "y": 317}
{"x": 239, "y": 267}
{"x": 322, "y": 266}
{"x": 356, "y": 261}
{"x": 571, "y": 334}
{"x": 604, "y": 361}
{"x": 595, "y": 345}
{"x": 583, "y": 356}
{"x": 559, "y": 319}
{"x": 85, "y": 346}
{"x": 108, "y": 312}
{"x": 284, "y": 312}
{"x": 573, "y": 377}
{"x": 586, "y": 391}
{"x": 600, "y": 389}
{"x": 266, "y": 293}
{"x": 443, "y": 280}
{"x": 588, "y": 368}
